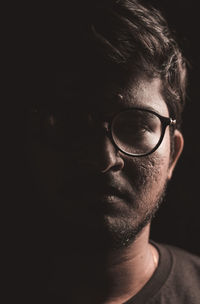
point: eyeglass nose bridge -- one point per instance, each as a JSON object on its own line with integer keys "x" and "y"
{"x": 106, "y": 127}
{"x": 102, "y": 125}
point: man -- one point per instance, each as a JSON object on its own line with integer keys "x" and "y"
{"x": 103, "y": 152}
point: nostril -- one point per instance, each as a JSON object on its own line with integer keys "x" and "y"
{"x": 114, "y": 168}
{"x": 117, "y": 168}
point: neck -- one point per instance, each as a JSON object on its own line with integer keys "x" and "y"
{"x": 111, "y": 277}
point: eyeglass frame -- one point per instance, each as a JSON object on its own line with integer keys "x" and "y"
{"x": 165, "y": 121}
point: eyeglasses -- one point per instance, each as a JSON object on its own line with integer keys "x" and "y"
{"x": 139, "y": 132}
{"x": 135, "y": 131}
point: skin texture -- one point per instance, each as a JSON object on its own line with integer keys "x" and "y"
{"x": 93, "y": 224}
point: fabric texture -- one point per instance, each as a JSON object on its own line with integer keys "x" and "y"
{"x": 175, "y": 281}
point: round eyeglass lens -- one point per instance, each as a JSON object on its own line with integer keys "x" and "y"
{"x": 136, "y": 132}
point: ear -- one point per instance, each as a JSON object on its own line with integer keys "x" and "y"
{"x": 178, "y": 147}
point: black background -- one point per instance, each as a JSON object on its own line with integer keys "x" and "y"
{"x": 178, "y": 220}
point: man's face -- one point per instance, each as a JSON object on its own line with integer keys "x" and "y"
{"x": 91, "y": 184}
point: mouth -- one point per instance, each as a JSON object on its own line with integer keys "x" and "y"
{"x": 95, "y": 201}
{"x": 110, "y": 194}
{"x": 108, "y": 199}
{"x": 98, "y": 193}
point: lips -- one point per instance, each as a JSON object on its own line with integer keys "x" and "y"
{"x": 109, "y": 192}
{"x": 94, "y": 189}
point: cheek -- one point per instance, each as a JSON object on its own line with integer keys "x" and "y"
{"x": 148, "y": 175}
{"x": 155, "y": 167}
{"x": 149, "y": 170}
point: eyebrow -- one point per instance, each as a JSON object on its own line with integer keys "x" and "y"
{"x": 125, "y": 103}
{"x": 146, "y": 107}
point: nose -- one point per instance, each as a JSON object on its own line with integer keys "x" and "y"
{"x": 103, "y": 155}
{"x": 109, "y": 157}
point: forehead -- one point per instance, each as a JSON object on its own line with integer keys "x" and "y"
{"x": 108, "y": 97}
{"x": 146, "y": 93}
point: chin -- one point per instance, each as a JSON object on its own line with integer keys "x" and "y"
{"x": 121, "y": 232}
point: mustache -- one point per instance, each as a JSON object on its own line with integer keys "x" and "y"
{"x": 96, "y": 184}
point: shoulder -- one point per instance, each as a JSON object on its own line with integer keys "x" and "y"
{"x": 184, "y": 261}
{"x": 183, "y": 282}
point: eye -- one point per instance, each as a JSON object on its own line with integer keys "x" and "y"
{"x": 136, "y": 131}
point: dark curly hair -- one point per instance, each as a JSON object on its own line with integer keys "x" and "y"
{"x": 128, "y": 37}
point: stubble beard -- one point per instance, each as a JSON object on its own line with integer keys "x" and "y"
{"x": 122, "y": 232}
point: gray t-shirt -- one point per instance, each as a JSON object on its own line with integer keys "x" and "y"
{"x": 175, "y": 281}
